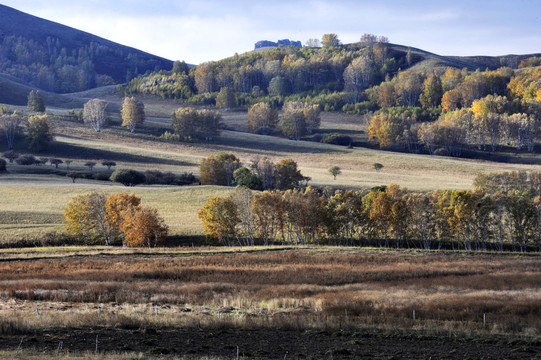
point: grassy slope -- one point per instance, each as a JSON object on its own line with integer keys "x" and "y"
{"x": 33, "y": 203}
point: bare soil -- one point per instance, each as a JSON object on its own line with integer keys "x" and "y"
{"x": 269, "y": 344}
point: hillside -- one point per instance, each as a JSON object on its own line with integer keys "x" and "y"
{"x": 62, "y": 59}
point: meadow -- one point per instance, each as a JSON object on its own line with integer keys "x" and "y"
{"x": 220, "y": 303}
{"x": 34, "y": 196}
{"x": 341, "y": 298}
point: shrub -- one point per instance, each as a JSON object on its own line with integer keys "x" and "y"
{"x": 128, "y": 177}
{"x": 26, "y": 160}
{"x": 10, "y": 155}
{"x": 102, "y": 176}
{"x": 336, "y": 139}
{"x": 441, "y": 152}
{"x": 3, "y": 165}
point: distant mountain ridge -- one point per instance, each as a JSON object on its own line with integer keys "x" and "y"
{"x": 62, "y": 59}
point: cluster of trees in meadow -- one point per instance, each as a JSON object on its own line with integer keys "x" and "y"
{"x": 261, "y": 174}
{"x": 38, "y": 127}
{"x": 502, "y": 212}
{"x": 114, "y": 218}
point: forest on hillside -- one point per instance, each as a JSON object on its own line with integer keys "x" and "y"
{"x": 412, "y": 105}
{"x": 53, "y": 66}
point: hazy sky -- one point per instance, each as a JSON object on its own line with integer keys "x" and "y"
{"x": 201, "y": 30}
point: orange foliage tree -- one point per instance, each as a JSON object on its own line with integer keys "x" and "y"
{"x": 115, "y": 206}
{"x": 143, "y": 226}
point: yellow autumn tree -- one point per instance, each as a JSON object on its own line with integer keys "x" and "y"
{"x": 78, "y": 218}
{"x": 142, "y": 226}
{"x": 220, "y": 219}
{"x": 133, "y": 113}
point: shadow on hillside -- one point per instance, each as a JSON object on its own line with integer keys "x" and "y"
{"x": 80, "y": 152}
{"x": 251, "y": 144}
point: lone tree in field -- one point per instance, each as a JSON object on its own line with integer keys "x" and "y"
{"x": 90, "y": 165}
{"x": 133, "y": 113}
{"x": 74, "y": 175}
{"x": 35, "y": 101}
{"x": 109, "y": 164}
{"x": 334, "y": 171}
{"x": 39, "y": 133}
{"x": 377, "y": 166}
{"x": 56, "y": 162}
{"x": 95, "y": 114}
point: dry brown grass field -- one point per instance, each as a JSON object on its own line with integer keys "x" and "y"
{"x": 347, "y": 296}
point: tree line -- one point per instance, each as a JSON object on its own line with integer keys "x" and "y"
{"x": 503, "y": 212}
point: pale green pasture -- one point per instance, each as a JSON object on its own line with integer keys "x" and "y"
{"x": 34, "y": 205}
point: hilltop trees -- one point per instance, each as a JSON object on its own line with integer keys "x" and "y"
{"x": 95, "y": 114}
{"x": 330, "y": 40}
{"x": 132, "y": 113}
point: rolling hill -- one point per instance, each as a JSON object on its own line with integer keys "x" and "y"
{"x": 61, "y": 59}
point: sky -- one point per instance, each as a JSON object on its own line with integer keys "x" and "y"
{"x": 197, "y": 31}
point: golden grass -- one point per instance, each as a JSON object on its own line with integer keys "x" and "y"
{"x": 315, "y": 286}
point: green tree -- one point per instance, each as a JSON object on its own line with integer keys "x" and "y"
{"x": 35, "y": 101}
{"x": 132, "y": 113}
{"x": 56, "y": 162}
{"x": 10, "y": 155}
{"x": 335, "y": 171}
{"x": 226, "y": 98}
{"x": 180, "y": 67}
{"x": 330, "y": 40}
{"x": 287, "y": 175}
{"x": 128, "y": 177}
{"x": 39, "y": 132}
{"x": 190, "y": 124}
{"x": 377, "y": 166}
{"x": 279, "y": 86}
{"x": 293, "y": 122}
{"x": 109, "y": 164}
{"x": 244, "y": 177}
{"x": 212, "y": 172}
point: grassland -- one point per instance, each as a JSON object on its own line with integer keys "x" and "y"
{"x": 34, "y": 197}
{"x": 318, "y": 300}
